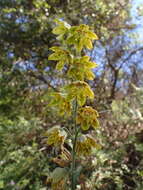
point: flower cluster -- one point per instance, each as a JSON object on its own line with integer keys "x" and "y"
{"x": 85, "y": 144}
{"x": 59, "y": 100}
{"x": 79, "y": 90}
{"x": 81, "y": 37}
{"x": 56, "y": 136}
{"x": 72, "y": 97}
{"x": 87, "y": 117}
{"x": 80, "y": 68}
{"x": 61, "y": 56}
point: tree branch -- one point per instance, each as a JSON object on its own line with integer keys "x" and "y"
{"x": 130, "y": 55}
{"x": 41, "y": 78}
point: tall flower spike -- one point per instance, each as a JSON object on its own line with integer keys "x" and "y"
{"x": 78, "y": 68}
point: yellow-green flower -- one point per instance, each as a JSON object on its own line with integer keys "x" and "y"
{"x": 79, "y": 90}
{"x": 87, "y": 117}
{"x": 59, "y": 100}
{"x": 60, "y": 55}
{"x": 80, "y": 69}
{"x": 85, "y": 144}
{"x": 56, "y": 136}
{"x": 81, "y": 37}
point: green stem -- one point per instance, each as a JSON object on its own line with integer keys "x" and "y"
{"x": 73, "y": 165}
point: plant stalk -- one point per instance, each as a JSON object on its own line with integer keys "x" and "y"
{"x": 73, "y": 165}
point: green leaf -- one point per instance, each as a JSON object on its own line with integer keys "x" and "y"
{"x": 58, "y": 174}
{"x": 1, "y": 184}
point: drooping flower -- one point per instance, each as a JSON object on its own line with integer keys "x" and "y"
{"x": 79, "y": 90}
{"x": 85, "y": 144}
{"x": 87, "y": 117}
{"x": 60, "y": 55}
{"x": 59, "y": 100}
{"x": 81, "y": 37}
{"x": 81, "y": 68}
{"x": 56, "y": 136}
